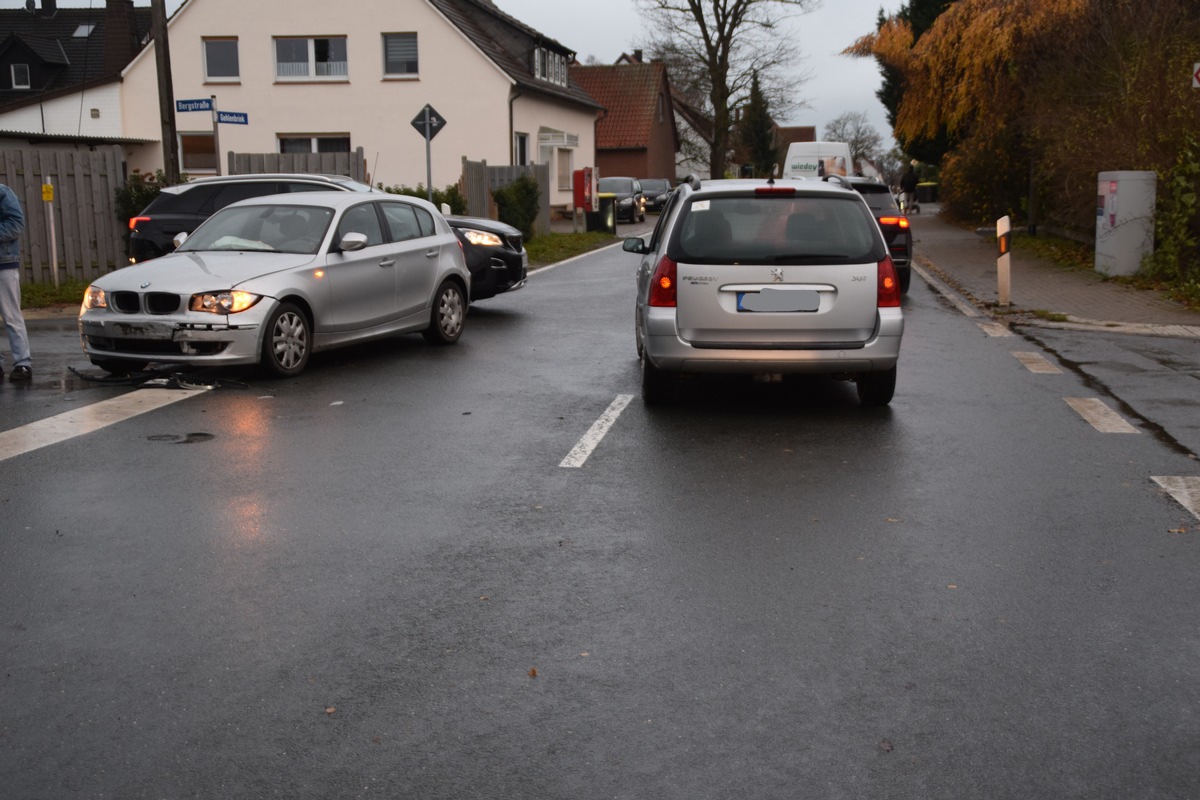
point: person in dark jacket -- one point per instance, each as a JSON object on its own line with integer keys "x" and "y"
{"x": 908, "y": 188}
{"x": 12, "y": 225}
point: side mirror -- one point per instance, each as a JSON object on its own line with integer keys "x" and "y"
{"x": 635, "y": 245}
{"x": 352, "y": 241}
{"x": 180, "y": 238}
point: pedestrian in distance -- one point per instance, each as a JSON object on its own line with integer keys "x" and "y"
{"x": 908, "y": 190}
{"x": 12, "y": 225}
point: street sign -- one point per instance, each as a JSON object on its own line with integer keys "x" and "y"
{"x": 429, "y": 122}
{"x": 193, "y": 105}
{"x": 233, "y": 117}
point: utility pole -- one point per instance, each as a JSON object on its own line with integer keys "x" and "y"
{"x": 166, "y": 90}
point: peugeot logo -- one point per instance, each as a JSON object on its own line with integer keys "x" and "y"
{"x": 146, "y": 285}
{"x": 776, "y": 275}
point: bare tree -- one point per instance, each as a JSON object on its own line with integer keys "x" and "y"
{"x": 853, "y": 129}
{"x": 714, "y": 47}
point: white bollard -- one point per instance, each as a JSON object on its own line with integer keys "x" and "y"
{"x": 1003, "y": 261}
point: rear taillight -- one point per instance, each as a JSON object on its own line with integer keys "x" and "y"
{"x": 889, "y": 284}
{"x": 133, "y": 222}
{"x": 662, "y": 284}
{"x": 901, "y": 221}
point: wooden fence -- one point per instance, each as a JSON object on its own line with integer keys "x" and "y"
{"x": 88, "y": 237}
{"x": 479, "y": 181}
{"x": 352, "y": 164}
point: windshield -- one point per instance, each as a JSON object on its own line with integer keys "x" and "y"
{"x": 267, "y": 228}
{"x": 616, "y": 185}
{"x": 777, "y": 229}
{"x": 879, "y": 198}
{"x": 655, "y": 186}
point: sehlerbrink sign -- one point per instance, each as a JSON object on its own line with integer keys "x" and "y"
{"x": 233, "y": 117}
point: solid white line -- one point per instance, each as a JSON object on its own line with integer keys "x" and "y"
{"x": 945, "y": 291}
{"x": 579, "y": 454}
{"x": 1099, "y": 415}
{"x": 1036, "y": 362}
{"x": 1184, "y": 489}
{"x": 79, "y": 421}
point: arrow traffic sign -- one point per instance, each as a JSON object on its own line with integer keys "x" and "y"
{"x": 1196, "y": 75}
{"x": 428, "y": 122}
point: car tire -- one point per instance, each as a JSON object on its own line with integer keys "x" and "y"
{"x": 287, "y": 342}
{"x": 876, "y": 389}
{"x": 448, "y": 316}
{"x": 656, "y": 384}
{"x": 118, "y": 367}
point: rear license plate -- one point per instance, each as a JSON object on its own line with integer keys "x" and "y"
{"x": 779, "y": 300}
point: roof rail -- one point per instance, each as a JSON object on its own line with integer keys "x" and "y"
{"x": 692, "y": 181}
{"x": 839, "y": 180}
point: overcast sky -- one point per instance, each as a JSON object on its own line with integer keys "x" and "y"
{"x": 607, "y": 28}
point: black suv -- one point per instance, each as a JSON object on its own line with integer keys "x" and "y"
{"x": 892, "y": 222}
{"x": 181, "y": 209}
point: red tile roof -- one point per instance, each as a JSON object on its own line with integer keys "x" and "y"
{"x": 630, "y": 94}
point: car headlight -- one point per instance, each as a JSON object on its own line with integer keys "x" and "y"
{"x": 94, "y": 297}
{"x": 628, "y": 201}
{"x": 223, "y": 302}
{"x": 481, "y": 238}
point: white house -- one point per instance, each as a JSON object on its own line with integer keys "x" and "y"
{"x": 311, "y": 75}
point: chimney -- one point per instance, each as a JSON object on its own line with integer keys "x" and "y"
{"x": 49, "y": 8}
{"x": 637, "y": 56}
{"x": 120, "y": 35}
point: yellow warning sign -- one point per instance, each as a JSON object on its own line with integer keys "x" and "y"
{"x": 48, "y": 192}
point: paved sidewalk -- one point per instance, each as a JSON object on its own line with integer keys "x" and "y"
{"x": 967, "y": 261}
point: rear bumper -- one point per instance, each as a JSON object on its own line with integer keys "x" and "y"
{"x": 668, "y": 352}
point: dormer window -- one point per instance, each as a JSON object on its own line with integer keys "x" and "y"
{"x": 84, "y": 31}
{"x": 550, "y": 66}
{"x": 20, "y": 76}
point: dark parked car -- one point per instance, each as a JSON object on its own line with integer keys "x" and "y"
{"x": 631, "y": 201}
{"x": 495, "y": 254}
{"x": 181, "y": 209}
{"x": 892, "y": 222}
{"x": 656, "y": 190}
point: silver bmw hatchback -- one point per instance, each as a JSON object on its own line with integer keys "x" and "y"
{"x": 765, "y": 277}
{"x": 271, "y": 280}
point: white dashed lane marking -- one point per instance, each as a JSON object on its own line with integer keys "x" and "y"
{"x": 579, "y": 454}
{"x": 1036, "y": 362}
{"x": 1185, "y": 489}
{"x": 994, "y": 329}
{"x": 77, "y": 422}
{"x": 1099, "y": 415}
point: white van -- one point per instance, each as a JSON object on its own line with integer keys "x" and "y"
{"x": 817, "y": 159}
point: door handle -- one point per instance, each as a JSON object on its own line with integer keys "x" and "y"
{"x": 432, "y": 253}
{"x": 388, "y": 262}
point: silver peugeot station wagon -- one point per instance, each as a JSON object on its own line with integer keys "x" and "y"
{"x": 761, "y": 277}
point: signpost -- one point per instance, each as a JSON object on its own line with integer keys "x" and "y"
{"x": 1004, "y": 260}
{"x": 226, "y": 117}
{"x": 1196, "y": 75}
{"x": 428, "y": 123}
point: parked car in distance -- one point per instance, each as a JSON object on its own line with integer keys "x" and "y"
{"x": 656, "y": 191}
{"x": 271, "y": 280}
{"x": 892, "y": 221}
{"x": 495, "y": 254}
{"x": 765, "y": 278}
{"x": 631, "y": 201}
{"x": 181, "y": 208}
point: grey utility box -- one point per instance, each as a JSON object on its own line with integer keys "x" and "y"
{"x": 1124, "y": 221}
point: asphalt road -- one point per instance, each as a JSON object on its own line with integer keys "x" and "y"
{"x": 378, "y": 579}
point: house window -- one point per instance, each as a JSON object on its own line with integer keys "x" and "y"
{"x": 565, "y": 164}
{"x": 197, "y": 152}
{"x": 221, "y": 60}
{"x": 20, "y": 76}
{"x": 321, "y": 143}
{"x": 83, "y": 31}
{"x": 520, "y": 149}
{"x": 550, "y": 66}
{"x": 311, "y": 59}
{"x": 399, "y": 54}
